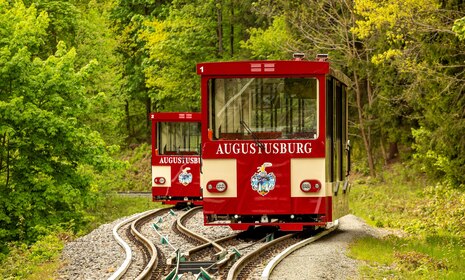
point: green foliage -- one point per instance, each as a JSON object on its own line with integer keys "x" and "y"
{"x": 41, "y": 260}
{"x": 270, "y": 43}
{"x": 431, "y": 245}
{"x": 439, "y": 153}
{"x": 96, "y": 41}
{"x": 127, "y": 18}
{"x": 24, "y": 261}
{"x": 175, "y": 45}
{"x": 44, "y": 145}
{"x": 138, "y": 175}
{"x": 133, "y": 172}
{"x": 63, "y": 23}
{"x": 459, "y": 28}
{"x": 418, "y": 80}
{"x": 394, "y": 17}
{"x": 114, "y": 206}
{"x": 403, "y": 199}
{"x": 406, "y": 66}
{"x": 46, "y": 248}
{"x": 160, "y": 44}
{"x": 392, "y": 257}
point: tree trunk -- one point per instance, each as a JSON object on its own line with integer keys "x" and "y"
{"x": 383, "y": 150}
{"x": 3, "y": 149}
{"x": 231, "y": 35}
{"x": 7, "y": 163}
{"x": 393, "y": 151}
{"x": 148, "y": 110}
{"x": 363, "y": 132}
{"x": 128, "y": 119}
{"x": 219, "y": 27}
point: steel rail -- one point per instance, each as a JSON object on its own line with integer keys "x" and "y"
{"x": 205, "y": 245}
{"x": 241, "y": 262}
{"x": 127, "y": 250}
{"x": 183, "y": 229}
{"x": 188, "y": 265}
{"x": 147, "y": 243}
{"x": 278, "y": 258}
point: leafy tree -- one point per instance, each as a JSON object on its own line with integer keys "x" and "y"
{"x": 161, "y": 41}
{"x": 392, "y": 29}
{"x": 234, "y": 19}
{"x": 174, "y": 46}
{"x": 428, "y": 79}
{"x": 402, "y": 58}
{"x": 275, "y": 42}
{"x": 459, "y": 28}
{"x": 128, "y": 18}
{"x": 63, "y": 23}
{"x": 96, "y": 40}
{"x": 47, "y": 154}
{"x": 85, "y": 25}
{"x": 188, "y": 33}
{"x": 326, "y": 27}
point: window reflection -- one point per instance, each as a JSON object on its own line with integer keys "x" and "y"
{"x": 273, "y": 108}
{"x": 178, "y": 138}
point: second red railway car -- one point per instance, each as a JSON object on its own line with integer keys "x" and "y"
{"x": 176, "y": 158}
{"x": 275, "y": 149}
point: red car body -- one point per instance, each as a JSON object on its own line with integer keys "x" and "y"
{"x": 274, "y": 144}
{"x": 176, "y": 158}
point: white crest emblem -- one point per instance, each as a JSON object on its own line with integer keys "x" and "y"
{"x": 185, "y": 177}
{"x": 261, "y": 181}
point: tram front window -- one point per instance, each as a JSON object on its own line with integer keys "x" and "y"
{"x": 178, "y": 138}
{"x": 270, "y": 108}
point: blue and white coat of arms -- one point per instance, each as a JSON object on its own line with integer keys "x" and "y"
{"x": 185, "y": 177}
{"x": 261, "y": 181}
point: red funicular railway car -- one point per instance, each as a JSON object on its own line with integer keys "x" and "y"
{"x": 175, "y": 158}
{"x": 275, "y": 143}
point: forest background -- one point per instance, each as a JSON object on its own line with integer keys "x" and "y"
{"x": 78, "y": 79}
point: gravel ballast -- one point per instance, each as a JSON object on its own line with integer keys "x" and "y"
{"x": 97, "y": 255}
{"x": 326, "y": 258}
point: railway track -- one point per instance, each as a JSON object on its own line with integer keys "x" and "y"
{"x": 276, "y": 250}
{"x": 234, "y": 256}
{"x": 278, "y": 258}
{"x": 149, "y": 253}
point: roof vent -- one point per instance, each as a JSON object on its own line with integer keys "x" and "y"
{"x": 298, "y": 56}
{"x": 322, "y": 57}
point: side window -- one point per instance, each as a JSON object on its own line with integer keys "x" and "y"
{"x": 336, "y": 130}
{"x": 339, "y": 145}
{"x": 330, "y": 129}
{"x": 344, "y": 136}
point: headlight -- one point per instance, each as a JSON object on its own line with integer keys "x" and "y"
{"x": 159, "y": 180}
{"x": 305, "y": 186}
{"x": 221, "y": 186}
{"x": 217, "y": 186}
{"x": 310, "y": 185}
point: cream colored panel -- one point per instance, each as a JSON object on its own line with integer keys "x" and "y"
{"x": 161, "y": 171}
{"x": 307, "y": 169}
{"x": 329, "y": 188}
{"x": 219, "y": 169}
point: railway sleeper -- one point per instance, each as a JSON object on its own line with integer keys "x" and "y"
{"x": 194, "y": 267}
